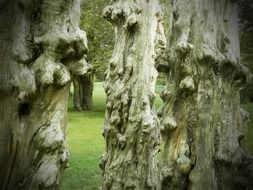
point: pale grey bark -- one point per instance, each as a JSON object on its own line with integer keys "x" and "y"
{"x": 202, "y": 123}
{"x": 40, "y": 45}
{"x": 131, "y": 128}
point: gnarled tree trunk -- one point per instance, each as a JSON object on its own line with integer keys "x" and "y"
{"x": 40, "y": 44}
{"x": 131, "y": 128}
{"x": 83, "y": 90}
{"x": 201, "y": 121}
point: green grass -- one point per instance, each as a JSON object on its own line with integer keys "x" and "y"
{"x": 86, "y": 143}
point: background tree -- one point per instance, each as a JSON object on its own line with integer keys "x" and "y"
{"x": 131, "y": 127}
{"x": 202, "y": 123}
{"x": 40, "y": 46}
{"x": 83, "y": 91}
{"x": 100, "y": 35}
{"x": 246, "y": 43}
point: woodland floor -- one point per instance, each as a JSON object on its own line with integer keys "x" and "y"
{"x": 86, "y": 143}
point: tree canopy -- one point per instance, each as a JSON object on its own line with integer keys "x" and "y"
{"x": 100, "y": 35}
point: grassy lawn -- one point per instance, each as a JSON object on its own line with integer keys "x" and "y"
{"x": 86, "y": 143}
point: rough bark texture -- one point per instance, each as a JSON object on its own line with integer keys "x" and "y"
{"x": 131, "y": 128}
{"x": 40, "y": 45}
{"x": 202, "y": 123}
{"x": 83, "y": 90}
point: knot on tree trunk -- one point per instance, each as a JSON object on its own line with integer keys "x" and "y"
{"x": 126, "y": 13}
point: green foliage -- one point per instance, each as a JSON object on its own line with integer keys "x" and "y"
{"x": 247, "y": 94}
{"x": 246, "y": 14}
{"x": 100, "y": 35}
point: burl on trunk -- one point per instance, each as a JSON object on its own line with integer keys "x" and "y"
{"x": 41, "y": 45}
{"x": 131, "y": 128}
{"x": 201, "y": 121}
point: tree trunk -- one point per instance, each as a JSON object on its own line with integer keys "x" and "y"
{"x": 40, "y": 45}
{"x": 83, "y": 90}
{"x": 131, "y": 128}
{"x": 202, "y": 123}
